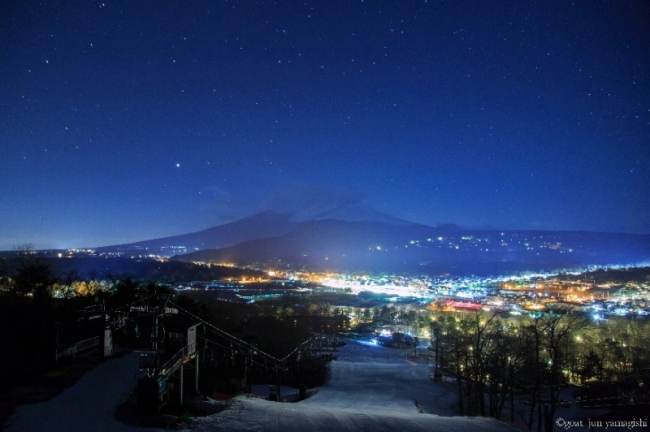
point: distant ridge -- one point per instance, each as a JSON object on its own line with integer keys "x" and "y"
{"x": 331, "y": 245}
{"x": 269, "y": 223}
{"x": 260, "y": 225}
{"x": 355, "y": 237}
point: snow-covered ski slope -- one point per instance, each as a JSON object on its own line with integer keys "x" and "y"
{"x": 372, "y": 388}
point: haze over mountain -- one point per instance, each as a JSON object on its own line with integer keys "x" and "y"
{"x": 267, "y": 223}
{"x": 366, "y": 246}
{"x": 353, "y": 237}
{"x": 260, "y": 225}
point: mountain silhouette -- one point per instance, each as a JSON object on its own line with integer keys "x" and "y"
{"x": 334, "y": 245}
{"x": 355, "y": 237}
{"x": 260, "y": 225}
{"x": 268, "y": 223}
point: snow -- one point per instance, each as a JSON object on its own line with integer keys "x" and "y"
{"x": 345, "y": 212}
{"x": 372, "y": 388}
{"x": 86, "y": 406}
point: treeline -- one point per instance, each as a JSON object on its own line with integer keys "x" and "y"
{"x": 606, "y": 275}
{"x": 141, "y": 269}
{"x": 499, "y": 361}
{"x": 515, "y": 367}
{"x": 41, "y": 310}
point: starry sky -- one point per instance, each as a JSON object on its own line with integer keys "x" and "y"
{"x": 129, "y": 120}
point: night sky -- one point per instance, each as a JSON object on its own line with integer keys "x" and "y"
{"x": 129, "y": 120}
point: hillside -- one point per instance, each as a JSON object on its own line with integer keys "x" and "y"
{"x": 372, "y": 388}
{"x": 372, "y": 246}
{"x": 355, "y": 237}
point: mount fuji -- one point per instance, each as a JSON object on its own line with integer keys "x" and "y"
{"x": 355, "y": 237}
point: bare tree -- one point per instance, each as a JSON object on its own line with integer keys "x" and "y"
{"x": 505, "y": 362}
{"x": 33, "y": 277}
{"x": 472, "y": 343}
{"x": 548, "y": 339}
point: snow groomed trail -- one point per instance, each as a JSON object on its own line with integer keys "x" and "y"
{"x": 372, "y": 388}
